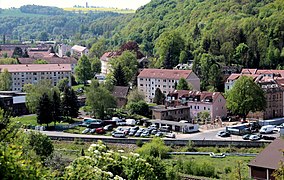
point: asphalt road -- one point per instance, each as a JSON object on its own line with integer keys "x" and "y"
{"x": 202, "y": 135}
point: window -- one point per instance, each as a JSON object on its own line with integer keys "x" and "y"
{"x": 204, "y": 108}
{"x": 141, "y": 79}
{"x": 164, "y": 80}
{"x": 142, "y": 84}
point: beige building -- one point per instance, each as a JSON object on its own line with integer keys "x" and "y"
{"x": 78, "y": 51}
{"x": 32, "y": 73}
{"x": 105, "y": 65}
{"x": 150, "y": 79}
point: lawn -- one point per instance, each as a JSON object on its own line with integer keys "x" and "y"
{"x": 225, "y": 168}
{"x": 26, "y": 120}
{"x": 31, "y": 120}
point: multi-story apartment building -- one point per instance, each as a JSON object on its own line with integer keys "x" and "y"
{"x": 271, "y": 83}
{"x": 150, "y": 79}
{"x": 212, "y": 102}
{"x": 32, "y": 73}
{"x": 105, "y": 65}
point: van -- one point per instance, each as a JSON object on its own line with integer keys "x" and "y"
{"x": 267, "y": 129}
{"x": 130, "y": 122}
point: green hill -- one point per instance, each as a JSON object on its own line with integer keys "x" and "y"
{"x": 246, "y": 32}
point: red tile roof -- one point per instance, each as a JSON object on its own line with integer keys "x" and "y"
{"x": 50, "y": 60}
{"x": 164, "y": 73}
{"x": 107, "y": 55}
{"x": 203, "y": 95}
{"x": 236, "y": 76}
{"x": 120, "y": 91}
{"x": 36, "y": 68}
{"x": 270, "y": 156}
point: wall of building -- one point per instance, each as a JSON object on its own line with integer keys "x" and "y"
{"x": 194, "y": 81}
{"x": 19, "y": 79}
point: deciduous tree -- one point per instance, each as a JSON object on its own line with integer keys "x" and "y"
{"x": 5, "y": 81}
{"x": 159, "y": 97}
{"x": 245, "y": 96}
{"x": 83, "y": 70}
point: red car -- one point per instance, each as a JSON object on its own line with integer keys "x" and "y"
{"x": 100, "y": 131}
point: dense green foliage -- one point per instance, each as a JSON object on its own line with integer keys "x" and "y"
{"x": 244, "y": 32}
{"x": 5, "y": 81}
{"x": 99, "y": 99}
{"x": 56, "y": 24}
{"x": 245, "y": 96}
{"x": 159, "y": 97}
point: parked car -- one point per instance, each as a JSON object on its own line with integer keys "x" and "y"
{"x": 246, "y": 136}
{"x": 267, "y": 129}
{"x": 145, "y": 134}
{"x": 268, "y": 137}
{"x": 118, "y": 134}
{"x": 92, "y": 131}
{"x": 154, "y": 131}
{"x": 86, "y": 131}
{"x": 254, "y": 137}
{"x": 132, "y": 131}
{"x": 159, "y": 134}
{"x": 130, "y": 122}
{"x": 100, "y": 131}
{"x": 138, "y": 133}
{"x": 165, "y": 128}
{"x": 108, "y": 127}
{"x": 170, "y": 135}
{"x": 223, "y": 134}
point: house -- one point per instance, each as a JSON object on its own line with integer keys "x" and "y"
{"x": 63, "y": 49}
{"x": 271, "y": 82}
{"x": 176, "y": 113}
{"x": 105, "y": 66}
{"x": 212, "y": 102}
{"x": 150, "y": 79}
{"x": 32, "y": 73}
{"x": 120, "y": 93}
{"x": 267, "y": 161}
{"x": 78, "y": 51}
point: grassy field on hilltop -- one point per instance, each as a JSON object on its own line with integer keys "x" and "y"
{"x": 17, "y": 13}
{"x": 85, "y": 10}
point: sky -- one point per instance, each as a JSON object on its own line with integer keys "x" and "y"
{"x": 122, "y": 4}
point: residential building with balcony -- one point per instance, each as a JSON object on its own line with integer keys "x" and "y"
{"x": 32, "y": 73}
{"x": 165, "y": 79}
{"x": 212, "y": 102}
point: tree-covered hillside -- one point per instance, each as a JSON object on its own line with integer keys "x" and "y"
{"x": 32, "y": 22}
{"x": 246, "y": 32}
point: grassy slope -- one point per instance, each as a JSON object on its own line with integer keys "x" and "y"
{"x": 122, "y": 11}
{"x": 17, "y": 13}
{"x": 220, "y": 164}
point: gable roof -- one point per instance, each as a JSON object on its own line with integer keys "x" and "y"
{"x": 270, "y": 156}
{"x": 164, "y": 73}
{"x": 120, "y": 91}
{"x": 12, "y": 68}
{"x": 107, "y": 55}
{"x": 203, "y": 95}
{"x": 50, "y": 60}
{"x": 78, "y": 48}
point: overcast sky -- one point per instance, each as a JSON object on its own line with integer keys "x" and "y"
{"x": 131, "y": 4}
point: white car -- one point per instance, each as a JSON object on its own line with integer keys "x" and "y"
{"x": 86, "y": 131}
{"x": 254, "y": 137}
{"x": 170, "y": 135}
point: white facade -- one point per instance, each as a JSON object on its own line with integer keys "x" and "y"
{"x": 151, "y": 79}
{"x": 33, "y": 73}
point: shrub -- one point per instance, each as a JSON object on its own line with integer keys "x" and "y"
{"x": 156, "y": 148}
{"x": 139, "y": 143}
